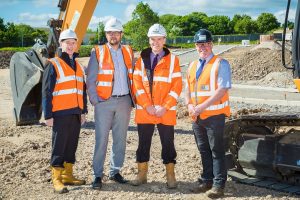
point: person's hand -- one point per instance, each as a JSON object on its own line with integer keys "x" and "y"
{"x": 192, "y": 111}
{"x": 199, "y": 109}
{"x": 49, "y": 122}
{"x": 160, "y": 111}
{"x": 83, "y": 119}
{"x": 150, "y": 110}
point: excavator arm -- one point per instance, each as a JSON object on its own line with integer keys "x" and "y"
{"x": 26, "y": 68}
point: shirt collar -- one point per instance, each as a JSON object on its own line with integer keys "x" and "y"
{"x": 208, "y": 58}
{"x": 160, "y": 54}
{"x": 111, "y": 48}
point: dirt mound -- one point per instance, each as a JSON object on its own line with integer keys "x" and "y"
{"x": 5, "y": 59}
{"x": 256, "y": 64}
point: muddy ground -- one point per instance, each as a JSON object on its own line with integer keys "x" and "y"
{"x": 25, "y": 157}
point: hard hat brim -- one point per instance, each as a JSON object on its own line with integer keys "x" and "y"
{"x": 67, "y": 39}
{"x": 156, "y": 35}
{"x": 113, "y": 29}
{"x": 203, "y": 41}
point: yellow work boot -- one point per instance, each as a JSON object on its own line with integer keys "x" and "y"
{"x": 67, "y": 176}
{"x": 141, "y": 177}
{"x": 56, "y": 180}
{"x": 171, "y": 180}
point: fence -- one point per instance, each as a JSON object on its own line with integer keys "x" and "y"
{"x": 176, "y": 40}
{"x": 216, "y": 38}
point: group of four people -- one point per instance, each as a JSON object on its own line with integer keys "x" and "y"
{"x": 152, "y": 85}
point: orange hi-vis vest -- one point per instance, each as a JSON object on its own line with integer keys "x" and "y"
{"x": 106, "y": 69}
{"x": 205, "y": 87}
{"x": 68, "y": 89}
{"x": 166, "y": 88}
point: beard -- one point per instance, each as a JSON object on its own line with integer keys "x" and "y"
{"x": 114, "y": 42}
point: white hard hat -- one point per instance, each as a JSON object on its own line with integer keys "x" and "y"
{"x": 113, "y": 24}
{"x": 157, "y": 30}
{"x": 67, "y": 34}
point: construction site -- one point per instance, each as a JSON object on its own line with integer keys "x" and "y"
{"x": 260, "y": 84}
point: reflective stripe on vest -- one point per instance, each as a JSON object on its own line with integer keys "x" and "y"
{"x": 206, "y": 87}
{"x": 68, "y": 90}
{"x": 106, "y": 69}
{"x": 159, "y": 78}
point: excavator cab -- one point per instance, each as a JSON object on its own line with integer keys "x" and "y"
{"x": 26, "y": 68}
{"x": 295, "y": 45}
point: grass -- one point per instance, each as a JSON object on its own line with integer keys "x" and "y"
{"x": 15, "y": 49}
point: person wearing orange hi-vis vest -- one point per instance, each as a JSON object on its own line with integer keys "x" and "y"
{"x": 157, "y": 84}
{"x": 109, "y": 85}
{"x": 208, "y": 82}
{"x": 65, "y": 108}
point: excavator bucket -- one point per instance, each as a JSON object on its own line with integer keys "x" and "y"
{"x": 26, "y": 86}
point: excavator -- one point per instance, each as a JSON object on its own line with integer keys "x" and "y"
{"x": 26, "y": 69}
{"x": 263, "y": 148}
{"x": 257, "y": 152}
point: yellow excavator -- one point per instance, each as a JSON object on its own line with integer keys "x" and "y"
{"x": 26, "y": 69}
{"x": 254, "y": 147}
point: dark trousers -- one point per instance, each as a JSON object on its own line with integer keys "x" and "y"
{"x": 166, "y": 134}
{"x": 65, "y": 135}
{"x": 210, "y": 142}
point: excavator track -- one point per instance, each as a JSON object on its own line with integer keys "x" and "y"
{"x": 264, "y": 183}
{"x": 259, "y": 154}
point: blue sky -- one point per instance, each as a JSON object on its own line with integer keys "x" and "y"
{"x": 37, "y": 12}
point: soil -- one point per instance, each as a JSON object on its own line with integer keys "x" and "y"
{"x": 5, "y": 59}
{"x": 259, "y": 65}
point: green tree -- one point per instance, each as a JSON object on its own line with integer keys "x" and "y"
{"x": 11, "y": 36}
{"x": 169, "y": 21}
{"x": 101, "y": 33}
{"x": 191, "y": 23}
{"x": 219, "y": 25}
{"x": 267, "y": 22}
{"x": 40, "y": 34}
{"x": 290, "y": 24}
{"x": 136, "y": 29}
{"x": 175, "y": 31}
{"x": 2, "y": 25}
{"x": 244, "y": 24}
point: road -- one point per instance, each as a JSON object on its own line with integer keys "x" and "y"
{"x": 189, "y": 55}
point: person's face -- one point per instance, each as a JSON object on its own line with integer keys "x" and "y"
{"x": 114, "y": 37}
{"x": 204, "y": 49}
{"x": 157, "y": 43}
{"x": 69, "y": 46}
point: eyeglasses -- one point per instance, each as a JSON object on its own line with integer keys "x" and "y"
{"x": 113, "y": 33}
{"x": 206, "y": 44}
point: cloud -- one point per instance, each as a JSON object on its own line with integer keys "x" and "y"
{"x": 43, "y": 3}
{"x": 8, "y": 3}
{"x": 95, "y": 21}
{"x": 35, "y": 20}
{"x": 280, "y": 15}
{"x": 34, "y": 3}
{"x": 121, "y": 1}
{"x": 128, "y": 12}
